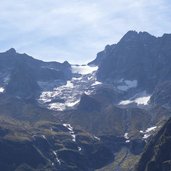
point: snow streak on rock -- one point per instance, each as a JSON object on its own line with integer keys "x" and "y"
{"x": 54, "y": 152}
{"x": 71, "y": 131}
{"x": 148, "y": 132}
{"x": 126, "y": 137}
{"x": 97, "y": 138}
{"x": 56, "y": 156}
{"x": 79, "y": 149}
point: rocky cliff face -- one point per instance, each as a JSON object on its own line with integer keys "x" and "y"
{"x": 103, "y": 55}
{"x": 157, "y": 154}
{"x": 137, "y": 56}
{"x": 161, "y": 95}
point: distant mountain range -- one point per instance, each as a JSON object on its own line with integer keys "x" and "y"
{"x": 108, "y": 115}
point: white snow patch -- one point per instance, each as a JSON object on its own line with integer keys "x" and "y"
{"x": 73, "y": 137}
{"x": 71, "y": 131}
{"x": 139, "y": 101}
{"x": 44, "y": 137}
{"x": 142, "y": 100}
{"x": 127, "y": 84}
{"x": 97, "y": 138}
{"x": 2, "y": 89}
{"x": 125, "y": 102}
{"x": 77, "y": 78}
{"x": 151, "y": 129}
{"x": 69, "y": 84}
{"x": 89, "y": 92}
{"x": 83, "y": 69}
{"x": 71, "y": 104}
{"x": 45, "y": 96}
{"x": 126, "y": 136}
{"x": 57, "y": 106}
{"x": 146, "y": 136}
{"x": 79, "y": 149}
{"x": 148, "y": 132}
{"x": 96, "y": 83}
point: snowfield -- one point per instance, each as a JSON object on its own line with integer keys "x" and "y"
{"x": 60, "y": 95}
{"x": 139, "y": 99}
{"x": 83, "y": 69}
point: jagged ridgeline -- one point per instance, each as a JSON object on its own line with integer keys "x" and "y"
{"x": 107, "y": 115}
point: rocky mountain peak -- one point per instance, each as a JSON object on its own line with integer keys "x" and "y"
{"x": 11, "y": 51}
{"x": 137, "y": 56}
{"x": 133, "y": 36}
{"x": 130, "y": 35}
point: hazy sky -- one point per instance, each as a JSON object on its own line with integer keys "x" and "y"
{"x": 75, "y": 30}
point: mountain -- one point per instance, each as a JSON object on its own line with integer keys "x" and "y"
{"x": 137, "y": 56}
{"x": 21, "y": 74}
{"x": 33, "y": 137}
{"x": 95, "y": 117}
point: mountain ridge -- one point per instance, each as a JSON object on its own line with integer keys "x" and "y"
{"x": 91, "y": 117}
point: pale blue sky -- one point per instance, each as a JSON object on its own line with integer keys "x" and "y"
{"x": 75, "y": 30}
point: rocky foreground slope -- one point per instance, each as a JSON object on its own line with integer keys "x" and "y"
{"x": 157, "y": 154}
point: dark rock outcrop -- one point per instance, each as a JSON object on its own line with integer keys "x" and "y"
{"x": 88, "y": 104}
{"x": 22, "y": 83}
{"x": 162, "y": 95}
{"x": 13, "y": 154}
{"x": 157, "y": 156}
